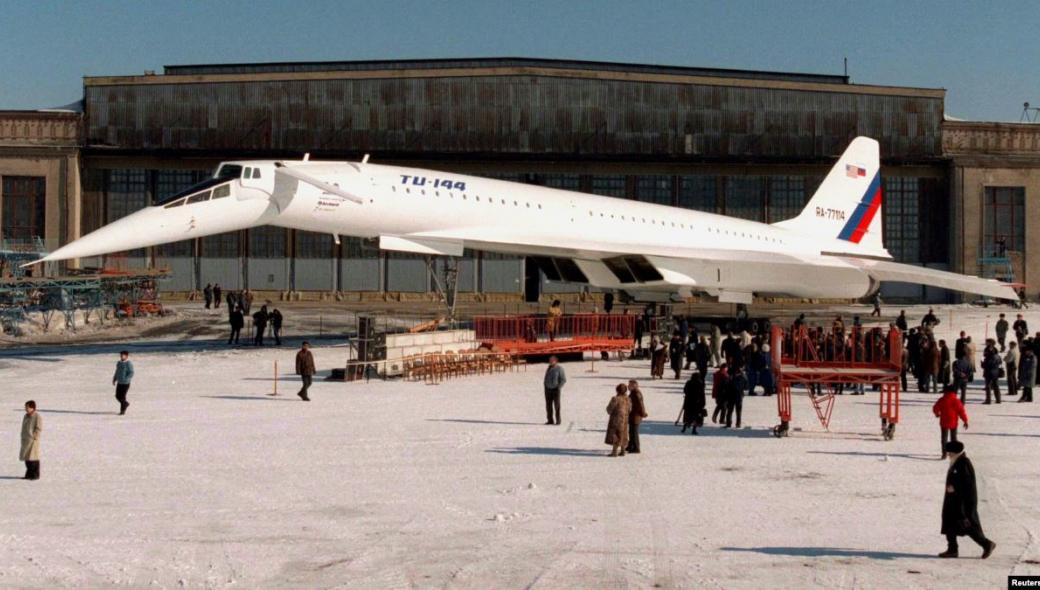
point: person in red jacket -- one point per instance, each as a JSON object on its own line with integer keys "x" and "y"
{"x": 949, "y": 410}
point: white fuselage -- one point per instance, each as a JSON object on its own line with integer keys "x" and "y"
{"x": 509, "y": 217}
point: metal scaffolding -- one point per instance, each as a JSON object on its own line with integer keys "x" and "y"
{"x": 102, "y": 293}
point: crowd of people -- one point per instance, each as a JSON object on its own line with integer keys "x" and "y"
{"x": 240, "y": 307}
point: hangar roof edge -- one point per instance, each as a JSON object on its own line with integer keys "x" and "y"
{"x": 510, "y": 67}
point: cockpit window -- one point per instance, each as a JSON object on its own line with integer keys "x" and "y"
{"x": 203, "y": 196}
{"x": 222, "y": 191}
{"x": 176, "y": 203}
{"x": 205, "y": 184}
{"x": 256, "y": 173}
{"x": 229, "y": 171}
{"x": 248, "y": 173}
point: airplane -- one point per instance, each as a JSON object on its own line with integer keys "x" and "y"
{"x": 832, "y": 250}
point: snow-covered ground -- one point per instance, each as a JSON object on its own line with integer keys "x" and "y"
{"x": 209, "y": 482}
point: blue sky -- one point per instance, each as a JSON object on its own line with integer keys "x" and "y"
{"x": 985, "y": 54}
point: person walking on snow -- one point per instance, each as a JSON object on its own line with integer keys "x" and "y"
{"x": 555, "y": 379}
{"x": 948, "y": 409}
{"x": 237, "y": 322}
{"x": 1011, "y": 364}
{"x": 1021, "y": 328}
{"x": 675, "y": 353}
{"x": 207, "y": 293}
{"x": 1027, "y": 374}
{"x": 960, "y": 514}
{"x": 217, "y": 292}
{"x": 991, "y": 370}
{"x": 121, "y": 379}
{"x": 617, "y": 427}
{"x": 305, "y": 369}
{"x": 693, "y": 403}
{"x": 276, "y": 326}
{"x": 636, "y": 414}
{"x": 32, "y": 426}
{"x": 1002, "y": 330}
{"x": 260, "y": 319}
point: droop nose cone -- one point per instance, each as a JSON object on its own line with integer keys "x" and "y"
{"x": 137, "y": 230}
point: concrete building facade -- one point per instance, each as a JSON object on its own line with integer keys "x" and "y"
{"x": 39, "y": 178}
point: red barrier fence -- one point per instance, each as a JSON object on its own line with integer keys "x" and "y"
{"x": 531, "y": 334}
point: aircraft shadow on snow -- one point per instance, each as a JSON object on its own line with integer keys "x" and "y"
{"x": 553, "y": 451}
{"x": 661, "y": 428}
{"x": 289, "y": 343}
{"x": 495, "y": 422}
{"x": 828, "y": 552}
{"x": 263, "y": 397}
{"x": 913, "y": 456}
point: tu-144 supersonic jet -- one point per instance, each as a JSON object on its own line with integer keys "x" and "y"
{"x": 832, "y": 250}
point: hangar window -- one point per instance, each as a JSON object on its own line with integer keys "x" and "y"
{"x": 313, "y": 245}
{"x": 610, "y": 186}
{"x": 127, "y": 192}
{"x": 561, "y": 181}
{"x": 787, "y": 197}
{"x": 221, "y": 245}
{"x": 698, "y": 193}
{"x": 1004, "y": 223}
{"x": 267, "y": 242}
{"x": 654, "y": 189}
{"x": 745, "y": 197}
{"x": 902, "y": 227}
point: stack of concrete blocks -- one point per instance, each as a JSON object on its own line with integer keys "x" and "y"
{"x": 399, "y": 346}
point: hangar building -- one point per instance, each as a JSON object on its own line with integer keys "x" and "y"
{"x": 742, "y": 143}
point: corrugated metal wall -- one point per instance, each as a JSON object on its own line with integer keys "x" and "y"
{"x": 509, "y": 115}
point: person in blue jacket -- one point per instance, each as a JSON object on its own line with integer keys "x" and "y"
{"x": 124, "y": 374}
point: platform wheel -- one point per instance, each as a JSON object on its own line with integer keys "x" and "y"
{"x": 781, "y": 430}
{"x": 889, "y": 432}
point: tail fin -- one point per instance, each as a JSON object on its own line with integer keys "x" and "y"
{"x": 847, "y": 206}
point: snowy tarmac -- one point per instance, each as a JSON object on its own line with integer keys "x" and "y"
{"x": 208, "y": 482}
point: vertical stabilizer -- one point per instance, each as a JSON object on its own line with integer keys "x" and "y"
{"x": 847, "y": 206}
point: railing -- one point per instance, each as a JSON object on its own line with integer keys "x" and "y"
{"x": 856, "y": 348}
{"x": 532, "y": 328}
{"x": 434, "y": 367}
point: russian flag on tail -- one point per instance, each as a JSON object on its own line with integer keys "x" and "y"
{"x": 864, "y": 213}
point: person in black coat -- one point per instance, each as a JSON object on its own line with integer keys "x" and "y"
{"x": 276, "y": 325}
{"x": 736, "y": 387}
{"x": 693, "y": 403}
{"x": 701, "y": 356}
{"x": 675, "y": 354}
{"x": 960, "y": 515}
{"x": 260, "y": 325}
{"x": 237, "y": 321}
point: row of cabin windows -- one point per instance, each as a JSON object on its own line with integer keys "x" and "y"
{"x": 220, "y": 192}
{"x": 592, "y": 214}
{"x": 490, "y": 201}
{"x": 683, "y": 226}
